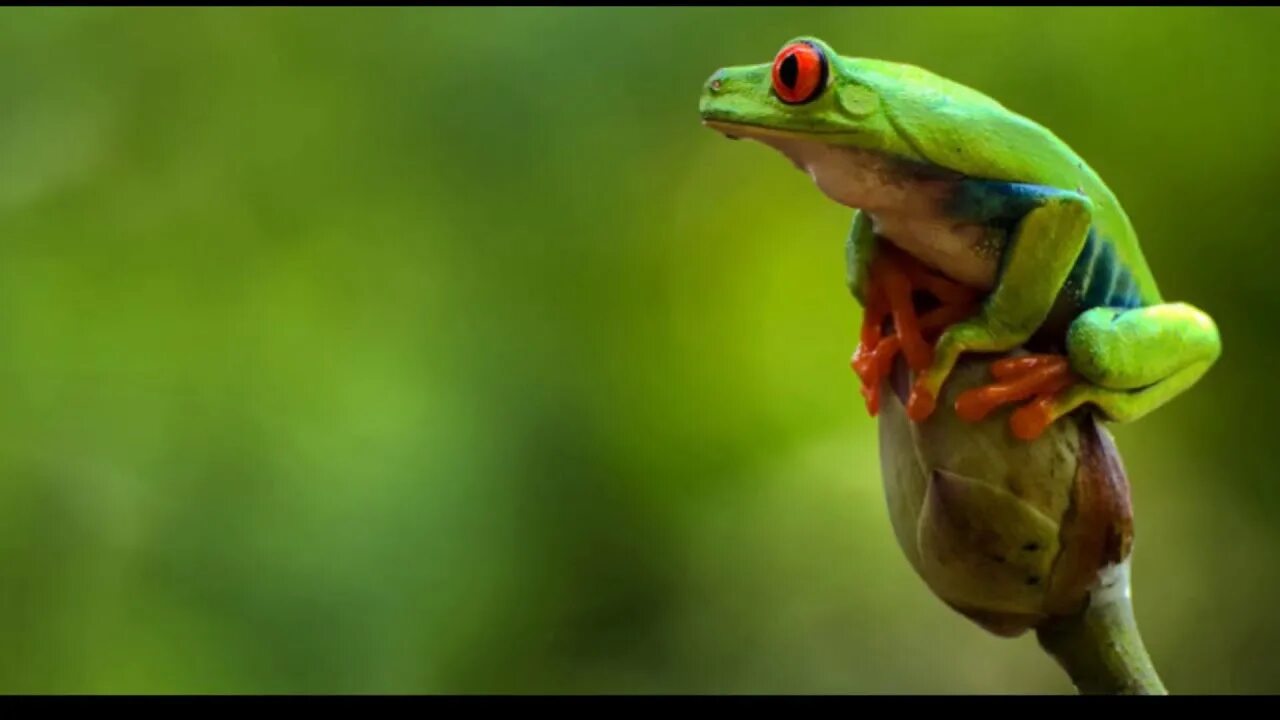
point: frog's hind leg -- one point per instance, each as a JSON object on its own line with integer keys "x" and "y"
{"x": 1126, "y": 363}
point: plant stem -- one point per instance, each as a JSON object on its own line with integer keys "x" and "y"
{"x": 1100, "y": 647}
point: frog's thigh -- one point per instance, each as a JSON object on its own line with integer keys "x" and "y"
{"x": 859, "y": 251}
{"x": 1138, "y": 359}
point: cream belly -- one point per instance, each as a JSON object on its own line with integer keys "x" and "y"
{"x": 905, "y": 203}
{"x": 967, "y": 253}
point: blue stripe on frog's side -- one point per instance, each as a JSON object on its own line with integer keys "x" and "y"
{"x": 1098, "y": 277}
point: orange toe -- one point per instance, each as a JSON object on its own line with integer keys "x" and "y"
{"x": 1044, "y": 377}
{"x": 871, "y": 394}
{"x": 973, "y": 405}
{"x": 1030, "y": 421}
{"x": 921, "y": 404}
{"x": 1008, "y": 368}
{"x": 906, "y": 325}
{"x": 873, "y": 318}
{"x": 878, "y": 365}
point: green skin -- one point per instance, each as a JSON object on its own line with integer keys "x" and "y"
{"x": 894, "y": 142}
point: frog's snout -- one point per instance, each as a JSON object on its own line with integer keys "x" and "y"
{"x": 731, "y": 96}
{"x": 714, "y": 86}
{"x": 716, "y": 81}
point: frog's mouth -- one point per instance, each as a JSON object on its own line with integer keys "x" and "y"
{"x": 737, "y": 130}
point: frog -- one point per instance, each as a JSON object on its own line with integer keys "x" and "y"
{"x": 1025, "y": 252}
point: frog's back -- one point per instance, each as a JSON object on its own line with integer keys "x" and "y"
{"x": 961, "y": 129}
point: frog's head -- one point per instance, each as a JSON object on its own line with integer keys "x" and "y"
{"x": 810, "y": 104}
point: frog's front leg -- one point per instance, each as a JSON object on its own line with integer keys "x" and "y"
{"x": 885, "y": 282}
{"x": 859, "y": 252}
{"x": 1051, "y": 228}
{"x": 870, "y": 359}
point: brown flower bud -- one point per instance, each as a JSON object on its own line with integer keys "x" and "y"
{"x": 1007, "y": 532}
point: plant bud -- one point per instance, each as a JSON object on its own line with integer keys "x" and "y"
{"x": 1007, "y": 532}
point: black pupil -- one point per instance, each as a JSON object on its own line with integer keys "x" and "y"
{"x": 789, "y": 70}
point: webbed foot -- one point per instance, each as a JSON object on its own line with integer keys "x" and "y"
{"x": 1040, "y": 378}
{"x": 896, "y": 279}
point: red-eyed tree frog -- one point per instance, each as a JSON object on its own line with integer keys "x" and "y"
{"x": 1017, "y": 241}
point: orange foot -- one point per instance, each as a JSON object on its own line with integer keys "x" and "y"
{"x": 1040, "y": 376}
{"x": 894, "y": 279}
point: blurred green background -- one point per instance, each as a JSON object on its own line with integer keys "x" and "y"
{"x": 443, "y": 350}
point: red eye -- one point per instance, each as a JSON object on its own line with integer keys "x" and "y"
{"x": 799, "y": 72}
